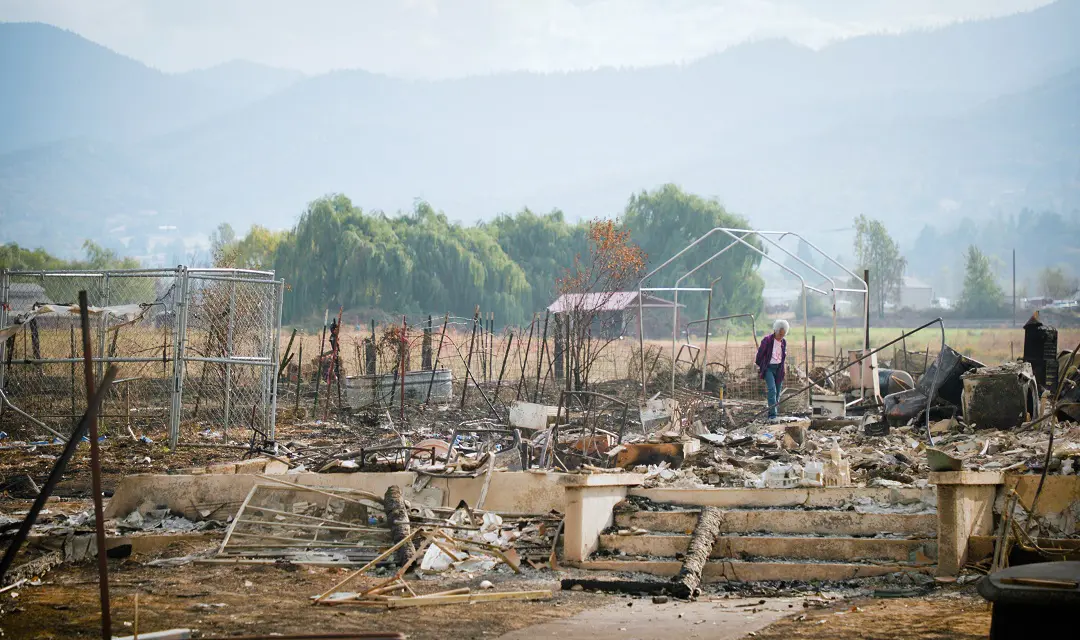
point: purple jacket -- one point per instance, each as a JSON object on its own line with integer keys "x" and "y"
{"x": 764, "y": 356}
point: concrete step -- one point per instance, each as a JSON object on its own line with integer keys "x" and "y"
{"x": 734, "y": 570}
{"x": 810, "y": 497}
{"x": 801, "y": 548}
{"x": 838, "y": 523}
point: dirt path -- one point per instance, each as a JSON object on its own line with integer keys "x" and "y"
{"x": 955, "y": 616}
{"x": 640, "y": 619}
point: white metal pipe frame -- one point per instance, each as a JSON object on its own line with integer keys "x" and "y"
{"x": 737, "y": 240}
{"x": 212, "y": 332}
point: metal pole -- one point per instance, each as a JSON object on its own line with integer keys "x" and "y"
{"x": 674, "y": 335}
{"x": 178, "y": 358}
{"x": 435, "y": 362}
{"x": 502, "y": 369}
{"x": 401, "y": 357}
{"x": 95, "y": 467}
{"x": 322, "y": 345}
{"x": 540, "y": 357}
{"x": 491, "y": 346}
{"x": 101, "y": 330}
{"x": 866, "y": 318}
{"x": 299, "y": 377}
{"x": 5, "y": 286}
{"x": 866, "y": 336}
{"x": 468, "y": 362}
{"x": 228, "y": 355}
{"x": 525, "y": 362}
{"x": 1014, "y": 285}
{"x": 279, "y": 292}
{"x": 708, "y": 322}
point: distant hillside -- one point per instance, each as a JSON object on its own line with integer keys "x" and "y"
{"x": 910, "y": 128}
{"x": 58, "y": 85}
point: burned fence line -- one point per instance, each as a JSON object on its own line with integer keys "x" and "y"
{"x": 194, "y": 346}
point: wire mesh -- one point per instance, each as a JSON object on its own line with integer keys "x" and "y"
{"x": 229, "y": 321}
{"x": 42, "y": 370}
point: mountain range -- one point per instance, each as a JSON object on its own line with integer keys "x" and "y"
{"x": 915, "y": 128}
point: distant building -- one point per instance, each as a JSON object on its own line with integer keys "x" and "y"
{"x": 22, "y": 298}
{"x": 615, "y": 312}
{"x": 915, "y": 294}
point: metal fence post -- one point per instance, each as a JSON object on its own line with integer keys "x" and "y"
{"x": 229, "y": 328}
{"x": 275, "y": 325}
{"x": 4, "y": 288}
{"x": 102, "y": 325}
{"x": 178, "y": 359}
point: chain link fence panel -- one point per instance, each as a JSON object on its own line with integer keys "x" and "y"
{"x": 140, "y": 320}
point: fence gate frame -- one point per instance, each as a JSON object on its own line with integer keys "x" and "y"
{"x": 179, "y": 307}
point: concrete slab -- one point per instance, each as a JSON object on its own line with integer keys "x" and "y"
{"x": 733, "y": 570}
{"x": 966, "y": 477}
{"x": 796, "y": 548}
{"x": 840, "y": 523}
{"x": 812, "y": 497}
{"x": 717, "y": 620}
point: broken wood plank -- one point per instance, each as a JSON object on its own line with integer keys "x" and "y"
{"x": 471, "y": 598}
{"x": 382, "y": 556}
{"x": 687, "y": 583}
{"x": 232, "y": 525}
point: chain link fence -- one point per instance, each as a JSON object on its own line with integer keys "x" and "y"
{"x": 195, "y": 348}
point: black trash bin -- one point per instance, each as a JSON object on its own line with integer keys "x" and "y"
{"x": 1032, "y": 597}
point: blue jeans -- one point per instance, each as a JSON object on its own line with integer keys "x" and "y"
{"x": 772, "y": 382}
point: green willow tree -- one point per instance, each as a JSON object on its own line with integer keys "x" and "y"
{"x": 338, "y": 255}
{"x": 544, "y": 245}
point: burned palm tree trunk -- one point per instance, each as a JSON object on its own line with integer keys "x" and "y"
{"x": 687, "y": 583}
{"x": 397, "y": 516}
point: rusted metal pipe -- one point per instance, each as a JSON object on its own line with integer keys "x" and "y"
{"x": 95, "y": 468}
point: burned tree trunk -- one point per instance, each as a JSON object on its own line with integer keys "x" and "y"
{"x": 397, "y": 516}
{"x": 688, "y": 582}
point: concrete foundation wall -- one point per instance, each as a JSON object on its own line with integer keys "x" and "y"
{"x": 219, "y": 496}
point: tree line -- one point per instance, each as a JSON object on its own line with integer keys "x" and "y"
{"x": 420, "y": 262}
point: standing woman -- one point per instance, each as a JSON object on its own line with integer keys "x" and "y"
{"x": 771, "y": 356}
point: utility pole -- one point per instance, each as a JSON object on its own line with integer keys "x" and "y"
{"x": 866, "y": 338}
{"x": 1014, "y": 285}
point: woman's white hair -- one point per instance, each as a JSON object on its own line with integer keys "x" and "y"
{"x": 781, "y": 324}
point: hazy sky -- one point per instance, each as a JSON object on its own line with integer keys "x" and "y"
{"x": 460, "y": 37}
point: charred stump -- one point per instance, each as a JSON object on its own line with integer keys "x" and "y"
{"x": 397, "y": 516}
{"x": 687, "y": 583}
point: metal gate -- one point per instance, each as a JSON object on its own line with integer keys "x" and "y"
{"x": 197, "y": 350}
